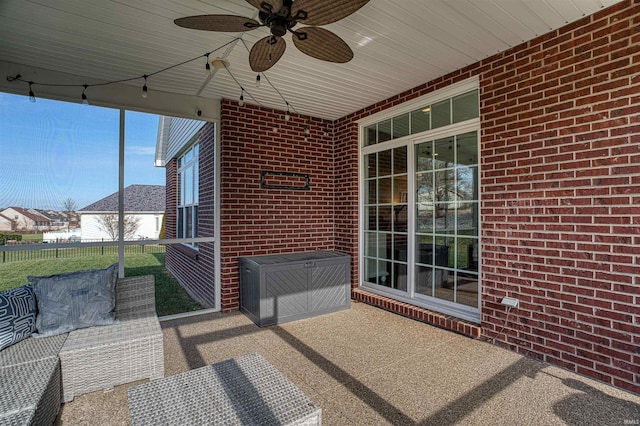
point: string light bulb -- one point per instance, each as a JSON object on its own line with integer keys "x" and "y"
{"x": 307, "y": 130}
{"x": 85, "y": 101}
{"x": 241, "y": 100}
{"x": 287, "y": 115}
{"x": 145, "y": 91}
{"x": 32, "y": 96}
{"x": 258, "y": 80}
{"x": 207, "y": 66}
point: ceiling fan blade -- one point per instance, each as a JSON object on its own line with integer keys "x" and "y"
{"x": 225, "y": 23}
{"x": 321, "y": 12}
{"x": 322, "y": 44}
{"x": 269, "y": 6}
{"x": 266, "y": 52}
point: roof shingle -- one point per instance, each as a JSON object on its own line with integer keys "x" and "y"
{"x": 137, "y": 198}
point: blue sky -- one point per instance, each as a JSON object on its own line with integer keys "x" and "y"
{"x": 51, "y": 151}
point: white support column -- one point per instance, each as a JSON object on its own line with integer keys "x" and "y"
{"x": 121, "y": 197}
{"x": 217, "y": 220}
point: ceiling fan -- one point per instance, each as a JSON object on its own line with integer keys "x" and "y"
{"x": 281, "y": 16}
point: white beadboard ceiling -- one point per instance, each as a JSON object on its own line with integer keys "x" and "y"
{"x": 397, "y": 44}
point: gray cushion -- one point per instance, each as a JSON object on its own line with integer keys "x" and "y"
{"x": 17, "y": 315}
{"x": 75, "y": 300}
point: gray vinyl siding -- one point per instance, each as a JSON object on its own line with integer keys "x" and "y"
{"x": 164, "y": 126}
{"x": 182, "y": 132}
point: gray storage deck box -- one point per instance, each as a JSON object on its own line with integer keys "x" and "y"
{"x": 286, "y": 287}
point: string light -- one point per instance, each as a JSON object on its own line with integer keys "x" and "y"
{"x": 145, "y": 91}
{"x": 85, "y": 101}
{"x": 32, "y": 96}
{"x": 241, "y": 100}
{"x": 244, "y": 43}
{"x": 207, "y": 67}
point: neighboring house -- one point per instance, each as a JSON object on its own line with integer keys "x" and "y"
{"x": 27, "y": 219}
{"x": 142, "y": 203}
{"x": 514, "y": 176}
{"x": 60, "y": 220}
{"x": 6, "y": 224}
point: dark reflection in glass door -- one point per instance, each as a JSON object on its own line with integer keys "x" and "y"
{"x": 386, "y": 218}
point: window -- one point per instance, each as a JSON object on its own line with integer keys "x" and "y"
{"x": 188, "y": 184}
{"x": 420, "y": 202}
{"x": 429, "y": 116}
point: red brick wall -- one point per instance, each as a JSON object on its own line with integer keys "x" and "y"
{"x": 259, "y": 221}
{"x": 195, "y": 269}
{"x": 561, "y": 196}
{"x": 346, "y": 196}
{"x": 560, "y": 185}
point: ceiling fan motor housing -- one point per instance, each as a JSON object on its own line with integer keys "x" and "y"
{"x": 278, "y": 21}
{"x": 279, "y": 26}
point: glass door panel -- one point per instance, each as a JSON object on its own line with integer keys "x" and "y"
{"x": 446, "y": 221}
{"x": 467, "y": 289}
{"x": 386, "y": 218}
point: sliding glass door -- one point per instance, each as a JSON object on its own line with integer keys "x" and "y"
{"x": 420, "y": 204}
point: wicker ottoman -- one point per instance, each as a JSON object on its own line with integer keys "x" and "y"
{"x": 31, "y": 393}
{"x": 99, "y": 358}
{"x": 30, "y": 385}
{"x": 242, "y": 391}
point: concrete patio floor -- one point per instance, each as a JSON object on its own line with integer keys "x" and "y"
{"x": 366, "y": 366}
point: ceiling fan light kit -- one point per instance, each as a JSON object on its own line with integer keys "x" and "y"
{"x": 280, "y": 17}
{"x": 220, "y": 63}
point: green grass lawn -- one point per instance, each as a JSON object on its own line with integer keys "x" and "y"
{"x": 171, "y": 298}
{"x": 32, "y": 237}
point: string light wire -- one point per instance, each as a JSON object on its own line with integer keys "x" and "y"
{"x": 244, "y": 43}
{"x": 242, "y": 89}
{"x": 32, "y": 97}
{"x": 18, "y": 77}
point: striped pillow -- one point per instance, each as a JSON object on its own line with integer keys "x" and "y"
{"x": 17, "y": 315}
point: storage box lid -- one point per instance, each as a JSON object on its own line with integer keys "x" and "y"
{"x": 294, "y": 257}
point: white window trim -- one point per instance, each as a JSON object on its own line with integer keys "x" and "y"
{"x": 456, "y": 309}
{"x": 190, "y": 164}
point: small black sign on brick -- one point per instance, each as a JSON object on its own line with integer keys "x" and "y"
{"x": 284, "y": 180}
